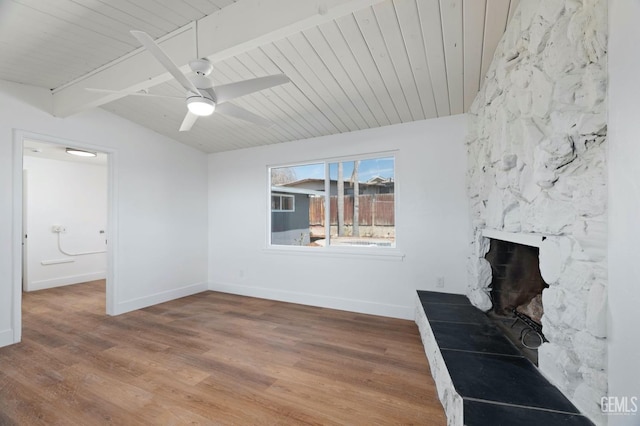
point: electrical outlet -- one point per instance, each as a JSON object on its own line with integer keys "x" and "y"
{"x": 440, "y": 282}
{"x": 58, "y": 229}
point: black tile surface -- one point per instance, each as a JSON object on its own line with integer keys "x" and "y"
{"x": 454, "y": 313}
{"x": 435, "y": 297}
{"x": 505, "y": 379}
{"x": 505, "y": 388}
{"x": 486, "y": 414}
{"x": 486, "y": 338}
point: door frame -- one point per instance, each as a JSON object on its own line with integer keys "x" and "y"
{"x": 17, "y": 226}
{"x": 25, "y": 229}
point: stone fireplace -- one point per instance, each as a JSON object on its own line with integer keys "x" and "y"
{"x": 537, "y": 176}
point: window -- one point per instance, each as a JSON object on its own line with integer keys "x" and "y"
{"x": 282, "y": 203}
{"x": 348, "y": 202}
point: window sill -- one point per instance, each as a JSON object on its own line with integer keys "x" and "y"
{"x": 390, "y": 254}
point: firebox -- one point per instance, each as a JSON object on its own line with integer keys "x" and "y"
{"x": 516, "y": 293}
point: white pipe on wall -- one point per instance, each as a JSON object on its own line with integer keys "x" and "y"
{"x": 75, "y": 254}
{"x": 56, "y": 261}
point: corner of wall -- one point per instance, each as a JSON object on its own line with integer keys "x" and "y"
{"x": 157, "y": 298}
{"x": 37, "y": 97}
{"x": 7, "y": 337}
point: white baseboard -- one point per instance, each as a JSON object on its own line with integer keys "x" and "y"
{"x": 7, "y": 337}
{"x": 62, "y": 281}
{"x": 154, "y": 299}
{"x": 351, "y": 305}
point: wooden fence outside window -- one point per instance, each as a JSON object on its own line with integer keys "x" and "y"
{"x": 374, "y": 210}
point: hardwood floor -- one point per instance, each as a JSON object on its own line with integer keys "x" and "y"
{"x": 211, "y": 358}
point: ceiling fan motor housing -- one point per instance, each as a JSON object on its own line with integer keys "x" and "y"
{"x": 201, "y": 66}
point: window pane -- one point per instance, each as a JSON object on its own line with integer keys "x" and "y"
{"x": 275, "y": 202}
{"x": 287, "y": 203}
{"x": 362, "y": 202}
{"x": 300, "y": 190}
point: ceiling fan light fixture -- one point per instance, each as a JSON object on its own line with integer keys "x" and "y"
{"x": 80, "y": 152}
{"x": 201, "y": 106}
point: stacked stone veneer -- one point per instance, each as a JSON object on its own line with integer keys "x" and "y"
{"x": 537, "y": 164}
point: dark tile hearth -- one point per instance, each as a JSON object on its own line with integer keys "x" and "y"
{"x": 454, "y": 313}
{"x": 485, "y": 338}
{"x": 504, "y": 379}
{"x": 480, "y": 413}
{"x": 498, "y": 385}
{"x": 435, "y": 297}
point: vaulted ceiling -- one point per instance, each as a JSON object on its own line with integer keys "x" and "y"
{"x": 353, "y": 64}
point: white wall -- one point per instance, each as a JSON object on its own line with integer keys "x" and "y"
{"x": 73, "y": 195}
{"x": 432, "y": 222}
{"x": 624, "y": 204}
{"x": 160, "y": 189}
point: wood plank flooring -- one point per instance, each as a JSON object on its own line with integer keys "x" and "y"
{"x": 211, "y": 358}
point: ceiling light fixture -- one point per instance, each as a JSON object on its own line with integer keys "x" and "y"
{"x": 201, "y": 106}
{"x": 80, "y": 152}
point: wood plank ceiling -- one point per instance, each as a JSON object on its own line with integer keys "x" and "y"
{"x": 394, "y": 62}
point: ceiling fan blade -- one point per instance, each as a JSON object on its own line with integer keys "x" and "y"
{"x": 188, "y": 122}
{"x": 120, "y": 92}
{"x": 230, "y": 91}
{"x": 243, "y": 114}
{"x": 164, "y": 60}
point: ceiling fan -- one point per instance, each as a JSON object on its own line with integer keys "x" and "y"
{"x": 201, "y": 98}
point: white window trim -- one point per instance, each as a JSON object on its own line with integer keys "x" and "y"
{"x": 380, "y": 252}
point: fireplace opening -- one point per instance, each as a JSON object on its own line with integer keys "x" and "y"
{"x": 516, "y": 293}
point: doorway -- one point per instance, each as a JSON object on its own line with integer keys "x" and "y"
{"x": 65, "y": 206}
